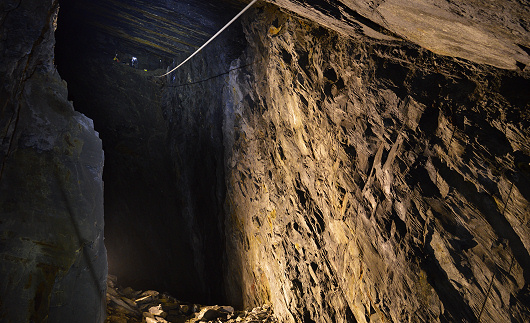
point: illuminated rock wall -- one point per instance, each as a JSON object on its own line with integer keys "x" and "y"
{"x": 373, "y": 180}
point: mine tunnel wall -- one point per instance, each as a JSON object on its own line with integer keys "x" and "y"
{"x": 374, "y": 181}
{"x": 164, "y": 176}
{"x": 340, "y": 179}
{"x": 53, "y": 262}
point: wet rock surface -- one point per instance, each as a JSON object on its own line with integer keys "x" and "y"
{"x": 374, "y": 181}
{"x": 128, "y": 306}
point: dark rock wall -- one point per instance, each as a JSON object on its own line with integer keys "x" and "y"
{"x": 164, "y": 177}
{"x": 374, "y": 181}
{"x": 192, "y": 105}
{"x": 146, "y": 237}
{"x": 53, "y": 263}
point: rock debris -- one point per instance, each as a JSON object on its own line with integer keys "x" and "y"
{"x": 126, "y": 305}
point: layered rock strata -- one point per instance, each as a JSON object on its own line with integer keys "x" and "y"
{"x": 53, "y": 263}
{"x": 374, "y": 180}
{"x": 486, "y": 32}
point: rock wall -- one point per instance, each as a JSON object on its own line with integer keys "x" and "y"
{"x": 162, "y": 137}
{"x": 192, "y": 106}
{"x": 339, "y": 178}
{"x": 486, "y": 32}
{"x": 53, "y": 264}
{"x": 374, "y": 181}
{"x": 141, "y": 201}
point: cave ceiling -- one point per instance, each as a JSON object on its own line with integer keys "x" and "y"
{"x": 167, "y": 28}
{"x": 489, "y": 32}
{"x": 482, "y": 31}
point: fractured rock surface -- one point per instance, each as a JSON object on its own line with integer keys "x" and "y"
{"x": 487, "y": 32}
{"x": 374, "y": 181}
{"x": 337, "y": 177}
{"x": 53, "y": 262}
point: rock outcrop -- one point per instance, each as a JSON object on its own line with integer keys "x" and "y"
{"x": 374, "y": 181}
{"x": 486, "y": 32}
{"x": 53, "y": 261}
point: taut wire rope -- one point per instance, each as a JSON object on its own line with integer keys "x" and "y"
{"x": 212, "y": 38}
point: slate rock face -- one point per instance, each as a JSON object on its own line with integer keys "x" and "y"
{"x": 53, "y": 261}
{"x": 362, "y": 180}
{"x": 374, "y": 180}
{"x": 192, "y": 104}
{"x": 486, "y": 32}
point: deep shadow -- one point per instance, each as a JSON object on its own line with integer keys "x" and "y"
{"x": 151, "y": 241}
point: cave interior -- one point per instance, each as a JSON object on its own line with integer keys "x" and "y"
{"x": 147, "y": 237}
{"x": 340, "y": 161}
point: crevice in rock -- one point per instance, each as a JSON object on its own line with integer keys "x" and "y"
{"x": 163, "y": 171}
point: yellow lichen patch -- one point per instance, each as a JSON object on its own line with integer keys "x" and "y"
{"x": 423, "y": 288}
{"x": 344, "y": 204}
{"x": 499, "y": 202}
{"x": 270, "y": 217}
{"x": 304, "y": 25}
{"x": 274, "y": 30}
{"x": 260, "y": 289}
{"x": 270, "y": 222}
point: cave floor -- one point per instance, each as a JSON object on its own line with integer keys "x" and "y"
{"x": 125, "y": 305}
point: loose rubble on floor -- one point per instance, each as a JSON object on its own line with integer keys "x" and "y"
{"x": 125, "y": 305}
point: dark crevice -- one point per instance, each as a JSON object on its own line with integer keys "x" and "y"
{"x": 163, "y": 169}
{"x": 525, "y": 48}
{"x": 485, "y": 204}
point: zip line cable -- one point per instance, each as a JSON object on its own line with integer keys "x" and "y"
{"x": 212, "y": 38}
{"x": 215, "y": 76}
